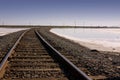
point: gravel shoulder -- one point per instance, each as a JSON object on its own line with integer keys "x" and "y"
{"x": 96, "y": 62}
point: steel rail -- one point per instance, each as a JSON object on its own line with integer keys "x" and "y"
{"x": 10, "y": 51}
{"x": 69, "y": 66}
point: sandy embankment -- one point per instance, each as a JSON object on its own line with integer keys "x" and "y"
{"x": 93, "y": 44}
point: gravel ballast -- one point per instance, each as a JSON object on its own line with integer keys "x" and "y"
{"x": 96, "y": 62}
{"x": 7, "y": 41}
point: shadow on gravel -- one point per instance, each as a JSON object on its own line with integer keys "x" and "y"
{"x": 113, "y": 78}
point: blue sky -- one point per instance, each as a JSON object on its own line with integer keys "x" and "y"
{"x": 60, "y": 12}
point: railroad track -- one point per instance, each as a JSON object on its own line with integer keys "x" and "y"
{"x": 32, "y": 58}
{"x": 74, "y": 58}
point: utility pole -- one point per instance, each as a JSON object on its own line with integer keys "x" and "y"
{"x": 2, "y": 23}
{"x": 75, "y": 23}
{"x": 83, "y": 24}
{"x": 29, "y": 23}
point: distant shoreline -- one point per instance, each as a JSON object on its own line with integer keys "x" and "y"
{"x": 53, "y": 26}
{"x": 5, "y": 31}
